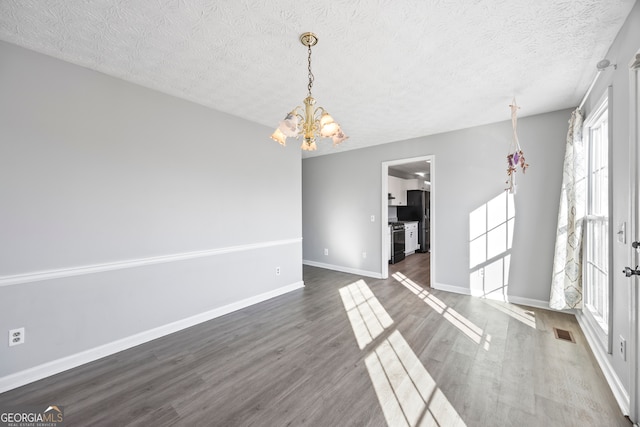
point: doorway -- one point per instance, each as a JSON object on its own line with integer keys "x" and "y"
{"x": 408, "y": 165}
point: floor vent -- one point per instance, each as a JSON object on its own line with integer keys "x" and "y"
{"x": 561, "y": 334}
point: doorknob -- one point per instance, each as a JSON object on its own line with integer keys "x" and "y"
{"x": 628, "y": 271}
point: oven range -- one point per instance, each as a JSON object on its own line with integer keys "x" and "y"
{"x": 397, "y": 242}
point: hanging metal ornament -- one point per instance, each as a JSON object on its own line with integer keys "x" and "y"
{"x": 515, "y": 157}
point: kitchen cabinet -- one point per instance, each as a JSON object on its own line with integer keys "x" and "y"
{"x": 397, "y": 188}
{"x": 418, "y": 184}
{"x": 411, "y": 237}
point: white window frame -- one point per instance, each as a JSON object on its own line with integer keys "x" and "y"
{"x": 599, "y": 324}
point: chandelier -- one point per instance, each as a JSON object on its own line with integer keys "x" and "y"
{"x": 309, "y": 122}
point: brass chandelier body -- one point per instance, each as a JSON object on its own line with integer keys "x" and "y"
{"x": 309, "y": 122}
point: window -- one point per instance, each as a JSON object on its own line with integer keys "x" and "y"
{"x": 596, "y": 280}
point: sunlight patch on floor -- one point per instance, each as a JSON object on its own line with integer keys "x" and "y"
{"x": 527, "y": 317}
{"x": 408, "y": 395}
{"x": 467, "y": 327}
{"x": 367, "y": 316}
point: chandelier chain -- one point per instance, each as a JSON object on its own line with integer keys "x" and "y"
{"x": 310, "y": 85}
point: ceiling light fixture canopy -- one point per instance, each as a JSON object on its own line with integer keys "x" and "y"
{"x": 604, "y": 64}
{"x": 309, "y": 122}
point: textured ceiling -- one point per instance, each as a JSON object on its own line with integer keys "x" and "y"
{"x": 411, "y": 170}
{"x": 386, "y": 70}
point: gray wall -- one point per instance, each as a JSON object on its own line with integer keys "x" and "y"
{"x": 100, "y": 179}
{"x": 341, "y": 191}
{"x": 622, "y": 51}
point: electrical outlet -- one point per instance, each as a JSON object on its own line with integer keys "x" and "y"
{"x": 277, "y": 271}
{"x": 326, "y": 251}
{"x": 373, "y": 218}
{"x": 623, "y": 348}
{"x": 16, "y": 337}
{"x": 364, "y": 254}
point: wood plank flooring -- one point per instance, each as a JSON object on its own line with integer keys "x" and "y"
{"x": 294, "y": 360}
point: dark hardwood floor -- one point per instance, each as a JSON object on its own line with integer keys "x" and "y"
{"x": 347, "y": 351}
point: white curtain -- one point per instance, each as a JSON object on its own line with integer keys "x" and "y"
{"x": 566, "y": 285}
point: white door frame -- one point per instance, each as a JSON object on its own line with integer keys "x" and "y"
{"x": 384, "y": 214}
{"x": 634, "y": 235}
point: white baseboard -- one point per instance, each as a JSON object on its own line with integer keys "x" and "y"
{"x": 450, "y": 288}
{"x": 36, "y": 373}
{"x": 510, "y": 298}
{"x": 529, "y": 302}
{"x": 356, "y": 271}
{"x": 621, "y": 395}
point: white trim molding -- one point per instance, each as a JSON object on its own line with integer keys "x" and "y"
{"x": 536, "y": 303}
{"x": 119, "y": 265}
{"x": 529, "y": 302}
{"x": 36, "y": 373}
{"x": 451, "y": 288}
{"x": 372, "y": 274}
{"x": 621, "y": 395}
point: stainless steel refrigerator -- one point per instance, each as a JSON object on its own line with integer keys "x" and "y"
{"x": 417, "y": 209}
